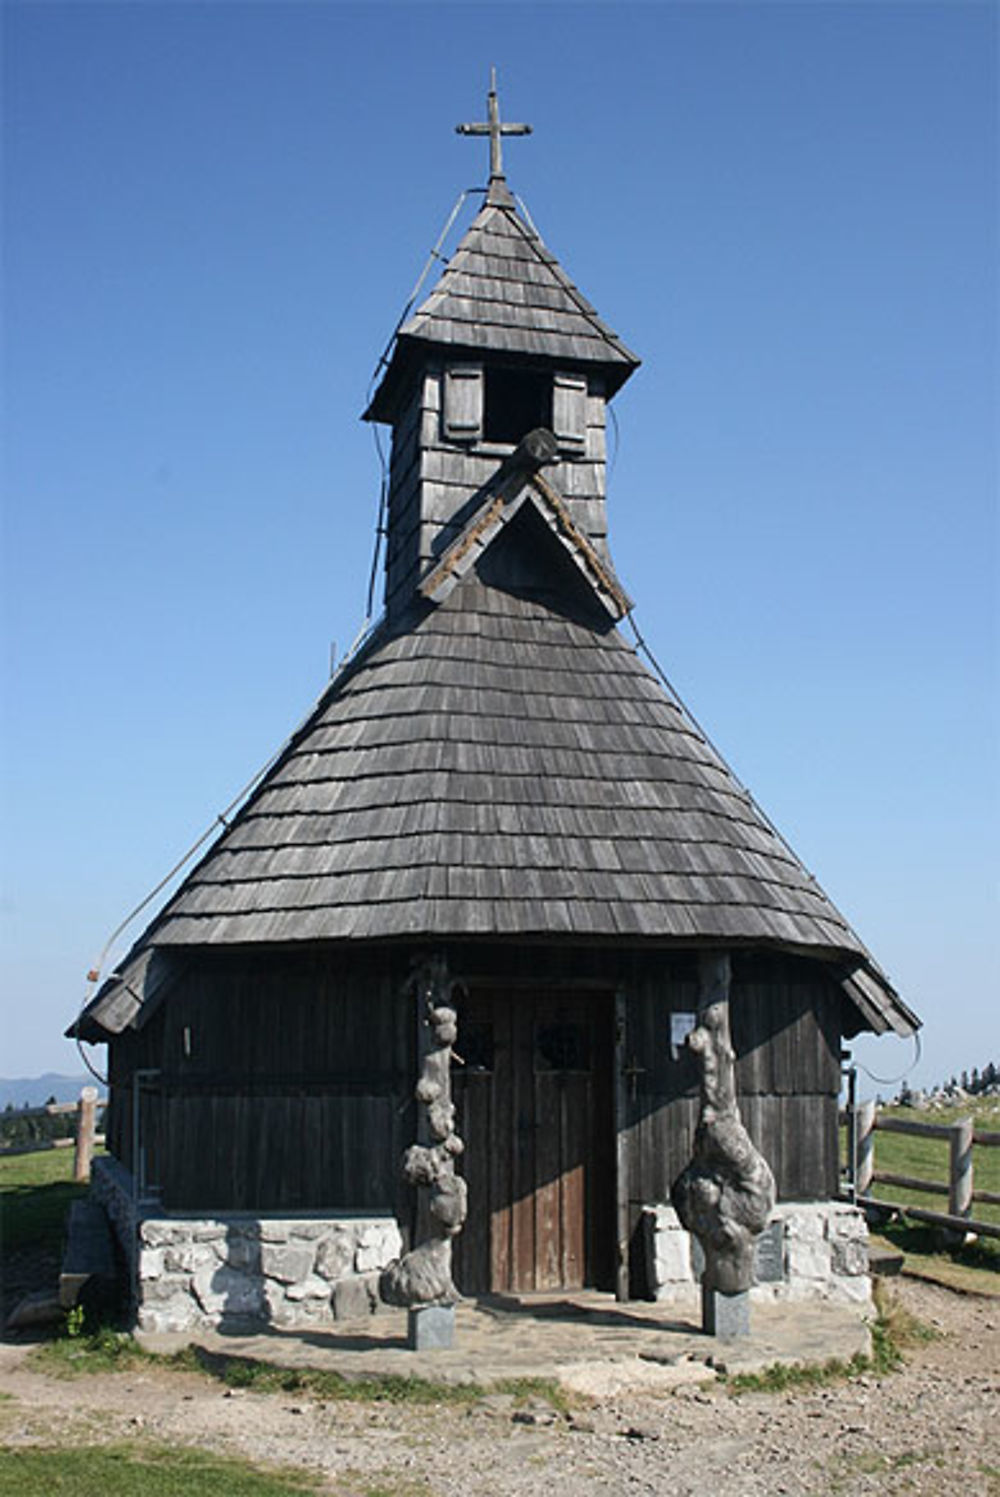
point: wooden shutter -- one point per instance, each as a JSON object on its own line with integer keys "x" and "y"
{"x": 569, "y": 411}
{"x": 463, "y": 403}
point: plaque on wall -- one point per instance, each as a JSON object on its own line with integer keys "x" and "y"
{"x": 769, "y": 1257}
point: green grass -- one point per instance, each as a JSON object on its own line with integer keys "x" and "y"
{"x": 35, "y": 1195}
{"x": 973, "y": 1268}
{"x": 106, "y": 1350}
{"x": 893, "y": 1330}
{"x": 927, "y": 1158}
{"x": 100, "y": 1350}
{"x": 781, "y": 1377}
{"x": 139, "y": 1471}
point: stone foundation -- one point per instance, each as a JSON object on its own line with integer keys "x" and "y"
{"x": 236, "y": 1268}
{"x": 808, "y": 1250}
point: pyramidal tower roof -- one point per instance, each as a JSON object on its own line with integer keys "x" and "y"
{"x": 503, "y": 290}
{"x": 504, "y": 293}
{"x": 497, "y": 762}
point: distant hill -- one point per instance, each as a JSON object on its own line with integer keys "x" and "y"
{"x": 34, "y": 1091}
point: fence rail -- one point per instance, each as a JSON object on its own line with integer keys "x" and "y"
{"x": 85, "y": 1137}
{"x": 863, "y": 1121}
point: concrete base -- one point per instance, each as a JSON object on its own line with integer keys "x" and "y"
{"x": 726, "y": 1316}
{"x": 431, "y": 1328}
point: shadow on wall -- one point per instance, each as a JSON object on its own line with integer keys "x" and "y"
{"x": 232, "y": 1292}
{"x": 293, "y": 1273}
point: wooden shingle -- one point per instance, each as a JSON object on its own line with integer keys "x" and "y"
{"x": 528, "y": 809}
{"x": 504, "y": 292}
{"x": 497, "y": 761}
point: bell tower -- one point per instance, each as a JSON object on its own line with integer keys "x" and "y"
{"x": 503, "y": 345}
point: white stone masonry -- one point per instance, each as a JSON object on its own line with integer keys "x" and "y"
{"x": 286, "y": 1271}
{"x": 809, "y": 1250}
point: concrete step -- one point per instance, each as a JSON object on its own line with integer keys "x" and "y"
{"x": 884, "y": 1262}
{"x": 89, "y": 1268}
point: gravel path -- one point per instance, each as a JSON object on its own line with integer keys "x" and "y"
{"x": 933, "y": 1426}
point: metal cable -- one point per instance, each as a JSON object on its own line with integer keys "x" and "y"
{"x": 747, "y": 794}
{"x": 685, "y": 709}
{"x": 383, "y": 500}
{"x": 383, "y": 363}
{"x": 435, "y": 254}
{"x": 895, "y": 1080}
{"x": 617, "y": 444}
{"x": 222, "y": 819}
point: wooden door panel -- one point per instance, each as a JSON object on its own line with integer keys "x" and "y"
{"x": 578, "y": 1162}
{"x": 521, "y": 1192}
{"x": 534, "y": 1105}
{"x": 548, "y": 1198}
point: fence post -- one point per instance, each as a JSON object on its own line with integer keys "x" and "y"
{"x": 866, "y": 1148}
{"x": 86, "y": 1126}
{"x": 960, "y": 1168}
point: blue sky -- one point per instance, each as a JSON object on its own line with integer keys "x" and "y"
{"x": 215, "y": 213}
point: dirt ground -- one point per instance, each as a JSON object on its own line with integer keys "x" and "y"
{"x": 932, "y": 1426}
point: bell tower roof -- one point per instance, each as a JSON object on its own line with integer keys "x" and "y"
{"x": 503, "y": 293}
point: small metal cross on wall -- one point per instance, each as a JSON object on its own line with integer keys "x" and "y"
{"x": 494, "y": 128}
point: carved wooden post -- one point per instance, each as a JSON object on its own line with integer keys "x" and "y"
{"x": 86, "y": 1127}
{"x": 726, "y": 1194}
{"x": 421, "y": 1280}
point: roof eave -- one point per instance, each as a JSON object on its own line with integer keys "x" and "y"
{"x": 876, "y": 1000}
{"x": 411, "y": 353}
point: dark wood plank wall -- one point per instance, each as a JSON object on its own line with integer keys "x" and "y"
{"x": 403, "y": 520}
{"x": 433, "y": 483}
{"x": 283, "y": 1084}
{"x": 785, "y": 1020}
{"x": 286, "y": 1081}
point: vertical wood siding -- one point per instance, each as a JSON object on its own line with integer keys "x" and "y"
{"x": 785, "y": 1020}
{"x": 434, "y": 481}
{"x": 295, "y": 1093}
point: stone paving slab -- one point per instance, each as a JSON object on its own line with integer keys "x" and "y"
{"x": 585, "y": 1340}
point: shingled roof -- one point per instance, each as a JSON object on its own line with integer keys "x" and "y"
{"x": 497, "y": 762}
{"x": 504, "y": 292}
{"x": 502, "y": 763}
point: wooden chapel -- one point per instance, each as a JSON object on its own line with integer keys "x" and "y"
{"x": 495, "y": 781}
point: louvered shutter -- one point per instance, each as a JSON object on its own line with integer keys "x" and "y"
{"x": 463, "y": 402}
{"x": 569, "y": 411}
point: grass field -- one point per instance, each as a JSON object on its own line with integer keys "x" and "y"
{"x": 138, "y": 1470}
{"x": 927, "y": 1158}
{"x": 35, "y": 1195}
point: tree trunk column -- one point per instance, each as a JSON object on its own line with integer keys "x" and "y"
{"x": 726, "y": 1194}
{"x": 421, "y": 1280}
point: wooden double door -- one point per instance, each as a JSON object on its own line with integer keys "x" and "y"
{"x": 534, "y": 1108}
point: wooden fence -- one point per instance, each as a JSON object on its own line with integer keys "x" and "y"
{"x": 85, "y": 1137}
{"x": 864, "y": 1121}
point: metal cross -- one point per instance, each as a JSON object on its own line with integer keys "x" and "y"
{"x": 493, "y": 128}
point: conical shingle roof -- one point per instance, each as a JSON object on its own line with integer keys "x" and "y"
{"x": 506, "y": 766}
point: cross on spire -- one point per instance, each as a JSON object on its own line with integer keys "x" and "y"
{"x": 494, "y": 129}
